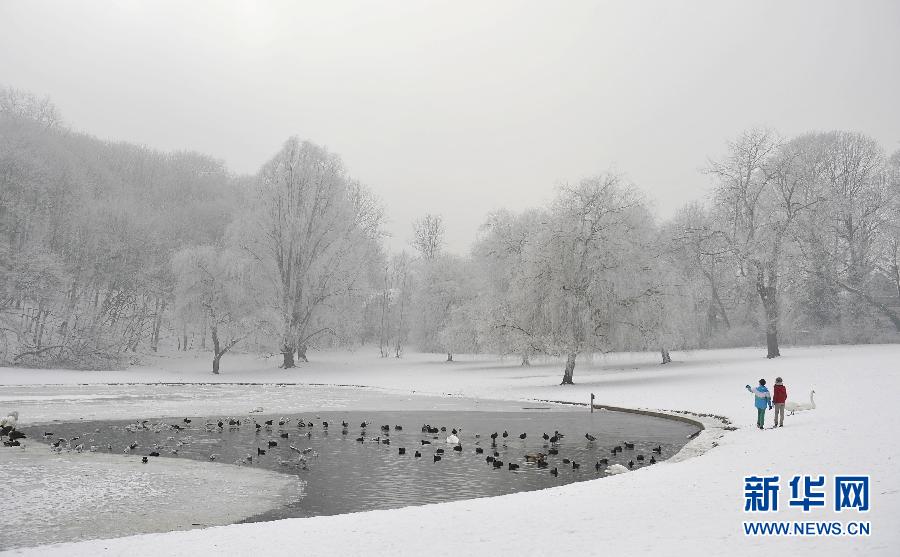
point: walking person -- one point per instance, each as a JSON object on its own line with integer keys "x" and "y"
{"x": 778, "y": 399}
{"x": 763, "y": 400}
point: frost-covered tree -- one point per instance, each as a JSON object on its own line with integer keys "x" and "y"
{"x": 428, "y": 236}
{"x": 214, "y": 283}
{"x": 585, "y": 267}
{"x": 312, "y": 232}
{"x": 763, "y": 186}
{"x": 849, "y": 233}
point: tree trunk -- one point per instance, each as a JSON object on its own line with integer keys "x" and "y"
{"x": 449, "y": 356}
{"x": 570, "y": 369}
{"x": 301, "y": 353}
{"x": 525, "y": 360}
{"x": 666, "y": 359}
{"x": 288, "y": 353}
{"x": 157, "y": 323}
{"x": 217, "y": 353}
{"x": 768, "y": 294}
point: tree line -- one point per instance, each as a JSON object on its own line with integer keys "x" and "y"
{"x": 108, "y": 249}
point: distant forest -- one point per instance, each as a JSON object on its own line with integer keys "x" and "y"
{"x": 109, "y": 250}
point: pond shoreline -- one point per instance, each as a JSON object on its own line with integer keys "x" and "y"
{"x": 276, "y": 503}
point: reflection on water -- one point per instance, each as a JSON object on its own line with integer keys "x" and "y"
{"x": 342, "y": 474}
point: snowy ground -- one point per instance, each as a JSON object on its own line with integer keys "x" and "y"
{"x": 681, "y": 506}
{"x": 65, "y": 497}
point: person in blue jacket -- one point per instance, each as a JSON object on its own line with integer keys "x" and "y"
{"x": 763, "y": 400}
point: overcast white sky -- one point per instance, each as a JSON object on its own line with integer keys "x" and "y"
{"x": 460, "y": 107}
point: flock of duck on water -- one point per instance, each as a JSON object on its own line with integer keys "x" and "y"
{"x": 540, "y": 459}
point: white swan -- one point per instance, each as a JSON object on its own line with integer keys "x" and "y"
{"x": 452, "y": 440}
{"x": 616, "y": 469}
{"x": 11, "y": 420}
{"x": 792, "y": 406}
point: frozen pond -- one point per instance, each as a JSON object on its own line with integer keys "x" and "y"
{"x": 342, "y": 474}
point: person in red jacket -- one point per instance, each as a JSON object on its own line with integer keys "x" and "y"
{"x": 778, "y": 398}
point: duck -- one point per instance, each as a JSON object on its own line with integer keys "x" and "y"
{"x": 629, "y": 446}
{"x": 542, "y": 464}
{"x": 479, "y": 450}
{"x": 566, "y": 461}
{"x": 513, "y": 466}
{"x": 360, "y": 439}
{"x": 652, "y": 460}
{"x": 494, "y": 435}
{"x": 575, "y": 465}
{"x": 424, "y": 442}
{"x": 589, "y": 437}
{"x": 186, "y": 420}
{"x": 273, "y": 444}
{"x": 385, "y": 441}
{"x": 498, "y": 463}
{"x": 639, "y": 457}
{"x": 439, "y": 451}
{"x": 554, "y": 439}
{"x": 401, "y": 450}
{"x": 268, "y": 422}
{"x": 284, "y": 435}
{"x": 152, "y": 453}
{"x": 523, "y": 436}
{"x": 794, "y": 406}
{"x": 398, "y": 428}
{"x": 535, "y": 457}
{"x": 545, "y": 437}
{"x": 657, "y": 449}
{"x": 418, "y": 454}
{"x": 260, "y": 452}
{"x": 489, "y": 459}
{"x": 458, "y": 448}
{"x": 505, "y": 434}
{"x": 144, "y": 459}
{"x": 616, "y": 469}
{"x": 630, "y": 464}
{"x": 345, "y": 424}
{"x": 553, "y": 451}
{"x": 325, "y": 425}
{"x": 437, "y": 458}
{"x": 554, "y": 472}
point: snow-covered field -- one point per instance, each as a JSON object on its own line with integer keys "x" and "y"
{"x": 684, "y": 505}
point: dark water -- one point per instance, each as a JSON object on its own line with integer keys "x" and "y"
{"x": 350, "y": 476}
